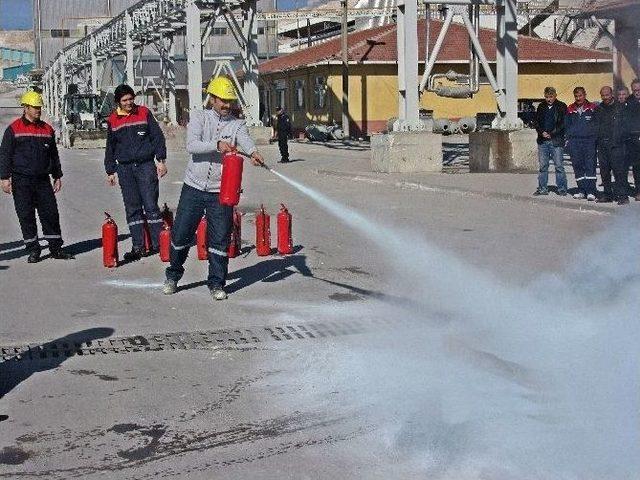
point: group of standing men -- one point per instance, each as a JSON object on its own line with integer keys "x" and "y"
{"x": 605, "y": 134}
{"x": 135, "y": 158}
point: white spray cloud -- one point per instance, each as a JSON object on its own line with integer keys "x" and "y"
{"x": 494, "y": 381}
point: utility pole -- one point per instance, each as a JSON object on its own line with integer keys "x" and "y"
{"x": 345, "y": 72}
{"x": 37, "y": 28}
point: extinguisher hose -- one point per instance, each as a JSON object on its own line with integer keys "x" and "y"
{"x": 246, "y": 155}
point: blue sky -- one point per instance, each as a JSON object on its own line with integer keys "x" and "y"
{"x": 15, "y": 14}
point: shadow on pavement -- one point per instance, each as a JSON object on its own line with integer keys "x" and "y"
{"x": 277, "y": 269}
{"x": 86, "y": 246}
{"x": 14, "y": 371}
{"x": 10, "y": 245}
{"x": 77, "y": 248}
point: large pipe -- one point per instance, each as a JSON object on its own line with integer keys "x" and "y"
{"x": 436, "y": 49}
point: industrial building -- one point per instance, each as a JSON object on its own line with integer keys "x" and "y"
{"x": 309, "y": 83}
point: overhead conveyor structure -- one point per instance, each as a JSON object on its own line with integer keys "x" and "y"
{"x": 157, "y": 23}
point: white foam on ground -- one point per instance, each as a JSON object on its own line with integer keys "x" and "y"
{"x": 136, "y": 284}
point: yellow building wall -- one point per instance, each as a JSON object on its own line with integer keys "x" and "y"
{"x": 373, "y": 97}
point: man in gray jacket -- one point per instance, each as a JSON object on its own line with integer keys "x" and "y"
{"x": 210, "y": 134}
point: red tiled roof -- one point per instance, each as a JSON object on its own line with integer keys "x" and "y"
{"x": 379, "y": 45}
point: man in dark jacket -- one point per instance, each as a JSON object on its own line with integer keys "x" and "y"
{"x": 134, "y": 140}
{"x": 282, "y": 130}
{"x": 28, "y": 160}
{"x": 611, "y": 151}
{"x": 581, "y": 130}
{"x": 549, "y": 123}
{"x": 632, "y": 133}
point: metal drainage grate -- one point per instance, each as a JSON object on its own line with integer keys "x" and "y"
{"x": 200, "y": 340}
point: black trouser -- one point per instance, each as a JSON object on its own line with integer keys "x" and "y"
{"x": 31, "y": 194}
{"x": 633, "y": 159}
{"x": 139, "y": 184}
{"x": 284, "y": 147}
{"x": 611, "y": 158}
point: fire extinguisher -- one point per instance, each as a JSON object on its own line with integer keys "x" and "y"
{"x": 235, "y": 238}
{"x": 231, "y": 179}
{"x": 109, "y": 242}
{"x": 147, "y": 236}
{"x": 263, "y": 233}
{"x": 165, "y": 243}
{"x": 201, "y": 239}
{"x": 285, "y": 240}
{"x": 167, "y": 216}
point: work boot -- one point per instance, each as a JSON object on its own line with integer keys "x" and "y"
{"x": 218, "y": 293}
{"x": 604, "y": 199}
{"x": 623, "y": 200}
{"x": 151, "y": 252}
{"x": 169, "y": 287}
{"x": 540, "y": 191}
{"x": 591, "y": 197}
{"x": 34, "y": 257}
{"x": 134, "y": 255}
{"x": 579, "y": 196}
{"x": 60, "y": 254}
{"x": 562, "y": 193}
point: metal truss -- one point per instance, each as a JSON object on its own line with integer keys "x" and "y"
{"x": 504, "y": 83}
{"x": 157, "y": 23}
{"x": 530, "y": 8}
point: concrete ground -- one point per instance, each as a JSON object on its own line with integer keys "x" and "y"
{"x": 293, "y": 376}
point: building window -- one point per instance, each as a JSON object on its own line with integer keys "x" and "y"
{"x": 299, "y": 94}
{"x": 260, "y": 30}
{"x": 319, "y": 92}
{"x": 219, "y": 31}
{"x": 60, "y": 33}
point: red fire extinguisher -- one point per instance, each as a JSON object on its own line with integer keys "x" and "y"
{"x": 285, "y": 240}
{"x": 109, "y": 242}
{"x": 231, "y": 180}
{"x": 167, "y": 216}
{"x": 235, "y": 239}
{"x": 263, "y": 233}
{"x": 201, "y": 239}
{"x": 147, "y": 236}
{"x": 165, "y": 243}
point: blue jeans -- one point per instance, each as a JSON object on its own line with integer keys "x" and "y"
{"x": 192, "y": 206}
{"x": 139, "y": 184}
{"x": 548, "y": 151}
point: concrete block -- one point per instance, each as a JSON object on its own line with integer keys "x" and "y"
{"x": 503, "y": 151}
{"x": 260, "y": 135}
{"x": 402, "y": 152}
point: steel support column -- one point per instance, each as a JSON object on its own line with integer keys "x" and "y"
{"x": 250, "y": 57}
{"x": 63, "y": 84}
{"x": 194, "y": 54}
{"x": 94, "y": 67}
{"x": 171, "y": 81}
{"x": 407, "y": 39}
{"x": 507, "y": 66}
{"x": 130, "y": 77}
{"x": 53, "y": 109}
